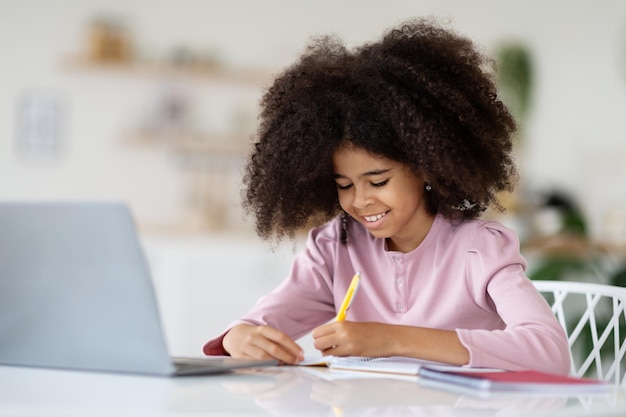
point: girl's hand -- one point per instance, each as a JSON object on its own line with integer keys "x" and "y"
{"x": 261, "y": 342}
{"x": 349, "y": 338}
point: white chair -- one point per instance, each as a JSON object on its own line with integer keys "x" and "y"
{"x": 594, "y": 319}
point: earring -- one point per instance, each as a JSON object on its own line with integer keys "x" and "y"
{"x": 428, "y": 187}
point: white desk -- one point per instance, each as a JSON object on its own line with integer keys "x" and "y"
{"x": 276, "y": 391}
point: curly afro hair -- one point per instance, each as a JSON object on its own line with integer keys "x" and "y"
{"x": 423, "y": 96}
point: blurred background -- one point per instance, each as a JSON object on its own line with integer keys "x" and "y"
{"x": 155, "y": 102}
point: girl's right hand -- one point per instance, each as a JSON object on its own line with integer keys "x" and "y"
{"x": 261, "y": 342}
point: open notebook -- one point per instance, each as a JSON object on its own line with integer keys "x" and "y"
{"x": 76, "y": 293}
{"x": 400, "y": 365}
{"x": 482, "y": 379}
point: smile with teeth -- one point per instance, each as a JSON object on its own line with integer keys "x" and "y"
{"x": 375, "y": 217}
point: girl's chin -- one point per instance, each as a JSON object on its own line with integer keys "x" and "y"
{"x": 379, "y": 233}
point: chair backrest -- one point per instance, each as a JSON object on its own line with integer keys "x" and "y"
{"x": 594, "y": 318}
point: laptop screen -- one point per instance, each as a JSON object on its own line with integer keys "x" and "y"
{"x": 75, "y": 290}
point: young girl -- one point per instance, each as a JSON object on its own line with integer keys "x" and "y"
{"x": 399, "y": 146}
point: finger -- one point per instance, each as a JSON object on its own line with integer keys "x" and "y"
{"x": 325, "y": 343}
{"x": 279, "y": 346}
{"x": 283, "y": 340}
{"x": 260, "y": 352}
{"x": 324, "y": 330}
{"x": 262, "y": 348}
{"x": 331, "y": 351}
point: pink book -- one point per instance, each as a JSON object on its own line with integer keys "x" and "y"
{"x": 528, "y": 381}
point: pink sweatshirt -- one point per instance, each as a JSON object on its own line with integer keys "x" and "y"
{"x": 467, "y": 277}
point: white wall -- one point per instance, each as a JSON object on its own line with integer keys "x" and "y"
{"x": 203, "y": 283}
{"x": 575, "y": 139}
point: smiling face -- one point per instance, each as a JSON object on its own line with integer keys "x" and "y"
{"x": 383, "y": 195}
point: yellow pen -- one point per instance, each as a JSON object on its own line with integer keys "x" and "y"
{"x": 347, "y": 300}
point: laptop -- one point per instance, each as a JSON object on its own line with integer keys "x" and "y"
{"x": 76, "y": 293}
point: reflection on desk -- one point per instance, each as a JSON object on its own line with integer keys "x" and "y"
{"x": 275, "y": 391}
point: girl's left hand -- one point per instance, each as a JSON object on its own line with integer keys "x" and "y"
{"x": 349, "y": 338}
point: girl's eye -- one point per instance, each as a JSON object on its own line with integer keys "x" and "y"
{"x": 344, "y": 187}
{"x": 380, "y": 184}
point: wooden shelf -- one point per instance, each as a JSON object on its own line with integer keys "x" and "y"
{"x": 206, "y": 72}
{"x": 558, "y": 245}
{"x": 571, "y": 246}
{"x": 189, "y": 142}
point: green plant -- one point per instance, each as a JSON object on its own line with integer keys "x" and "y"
{"x": 515, "y": 77}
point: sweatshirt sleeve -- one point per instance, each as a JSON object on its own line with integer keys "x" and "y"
{"x": 303, "y": 301}
{"x": 532, "y": 337}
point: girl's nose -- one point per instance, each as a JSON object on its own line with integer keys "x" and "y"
{"x": 361, "y": 199}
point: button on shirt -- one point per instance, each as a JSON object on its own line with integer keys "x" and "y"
{"x": 467, "y": 277}
{"x": 399, "y": 276}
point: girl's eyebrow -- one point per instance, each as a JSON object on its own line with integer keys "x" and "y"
{"x": 368, "y": 173}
